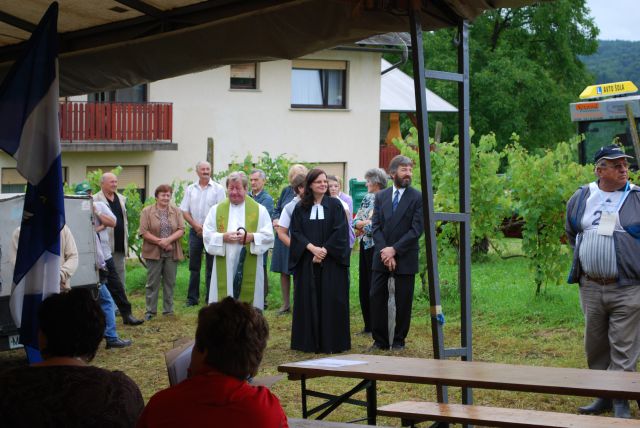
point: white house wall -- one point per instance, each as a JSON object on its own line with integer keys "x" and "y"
{"x": 252, "y": 121}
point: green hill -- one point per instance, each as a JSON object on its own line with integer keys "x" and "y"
{"x": 615, "y": 61}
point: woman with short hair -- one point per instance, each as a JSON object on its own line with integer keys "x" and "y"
{"x": 64, "y": 390}
{"x": 161, "y": 227}
{"x": 285, "y": 217}
{"x": 335, "y": 190}
{"x": 280, "y": 255}
{"x": 376, "y": 179}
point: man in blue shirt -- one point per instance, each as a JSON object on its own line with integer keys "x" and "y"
{"x": 258, "y": 178}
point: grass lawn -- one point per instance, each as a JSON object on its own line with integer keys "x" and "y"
{"x": 510, "y": 325}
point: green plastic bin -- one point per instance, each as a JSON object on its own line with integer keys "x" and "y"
{"x": 357, "y": 190}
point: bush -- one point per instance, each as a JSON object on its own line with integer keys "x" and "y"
{"x": 536, "y": 186}
{"x": 489, "y": 203}
{"x": 540, "y": 186}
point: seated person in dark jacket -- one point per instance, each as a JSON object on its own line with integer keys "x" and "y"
{"x": 63, "y": 390}
{"x": 230, "y": 340}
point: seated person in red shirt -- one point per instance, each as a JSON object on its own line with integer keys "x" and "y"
{"x": 230, "y": 340}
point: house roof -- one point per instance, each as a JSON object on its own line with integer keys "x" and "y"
{"x": 397, "y": 93}
{"x": 110, "y": 44}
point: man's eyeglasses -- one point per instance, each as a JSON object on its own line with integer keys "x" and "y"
{"x": 619, "y": 166}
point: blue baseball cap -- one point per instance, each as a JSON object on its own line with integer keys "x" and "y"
{"x": 610, "y": 152}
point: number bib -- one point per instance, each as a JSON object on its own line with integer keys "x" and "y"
{"x": 607, "y": 223}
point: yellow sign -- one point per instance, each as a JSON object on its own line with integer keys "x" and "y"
{"x": 608, "y": 89}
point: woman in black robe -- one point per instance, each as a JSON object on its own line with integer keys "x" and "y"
{"x": 319, "y": 258}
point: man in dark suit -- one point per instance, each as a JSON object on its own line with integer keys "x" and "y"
{"x": 397, "y": 226}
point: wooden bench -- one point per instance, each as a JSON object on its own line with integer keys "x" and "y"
{"x": 312, "y": 423}
{"x": 371, "y": 369}
{"x": 419, "y": 411}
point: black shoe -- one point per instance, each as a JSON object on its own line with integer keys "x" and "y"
{"x": 621, "y": 409}
{"x": 284, "y": 311}
{"x": 189, "y": 304}
{"x": 148, "y": 316}
{"x": 131, "y": 320}
{"x": 599, "y": 405}
{"x": 364, "y": 332}
{"x": 377, "y": 347}
{"x": 398, "y": 347}
{"x": 118, "y": 343}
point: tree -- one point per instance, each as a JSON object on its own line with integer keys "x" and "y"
{"x": 524, "y": 70}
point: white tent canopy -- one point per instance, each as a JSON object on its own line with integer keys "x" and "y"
{"x": 397, "y": 93}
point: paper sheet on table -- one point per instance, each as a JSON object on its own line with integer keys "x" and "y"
{"x": 330, "y": 362}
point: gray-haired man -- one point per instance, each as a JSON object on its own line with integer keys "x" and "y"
{"x": 119, "y": 242}
{"x": 198, "y": 199}
{"x": 603, "y": 226}
{"x": 258, "y": 178}
{"x": 238, "y": 232}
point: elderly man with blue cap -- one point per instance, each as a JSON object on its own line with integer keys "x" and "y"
{"x": 603, "y": 227}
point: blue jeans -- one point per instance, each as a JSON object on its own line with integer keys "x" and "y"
{"x": 108, "y": 307}
{"x": 196, "y": 248}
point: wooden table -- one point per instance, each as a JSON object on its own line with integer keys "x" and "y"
{"x": 550, "y": 380}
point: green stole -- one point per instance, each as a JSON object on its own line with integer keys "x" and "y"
{"x": 251, "y": 215}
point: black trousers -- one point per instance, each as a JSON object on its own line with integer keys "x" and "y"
{"x": 379, "y": 297}
{"x": 366, "y": 263}
{"x": 196, "y": 248}
{"x": 116, "y": 288}
{"x": 266, "y": 279}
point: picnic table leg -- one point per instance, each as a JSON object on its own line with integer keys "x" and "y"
{"x": 372, "y": 403}
{"x": 303, "y": 385}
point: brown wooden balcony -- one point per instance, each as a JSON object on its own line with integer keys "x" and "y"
{"x": 111, "y": 126}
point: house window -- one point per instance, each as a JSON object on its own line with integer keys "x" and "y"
{"x": 318, "y": 84}
{"x": 134, "y": 94}
{"x": 244, "y": 76}
{"x": 13, "y": 182}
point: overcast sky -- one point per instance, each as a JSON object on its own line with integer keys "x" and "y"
{"x": 616, "y": 19}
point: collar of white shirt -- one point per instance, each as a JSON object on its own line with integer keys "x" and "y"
{"x": 197, "y": 183}
{"x": 400, "y": 189}
{"x": 317, "y": 212}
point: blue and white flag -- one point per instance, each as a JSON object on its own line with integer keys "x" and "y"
{"x": 29, "y": 132}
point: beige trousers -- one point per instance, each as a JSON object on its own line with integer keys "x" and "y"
{"x": 163, "y": 270}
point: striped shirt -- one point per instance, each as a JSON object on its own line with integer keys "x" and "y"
{"x": 598, "y": 255}
{"x": 597, "y": 252}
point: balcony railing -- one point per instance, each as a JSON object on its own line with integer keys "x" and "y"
{"x": 115, "y": 122}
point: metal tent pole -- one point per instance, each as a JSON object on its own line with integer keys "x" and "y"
{"x": 428, "y": 213}
{"x": 464, "y": 183}
{"x": 463, "y": 217}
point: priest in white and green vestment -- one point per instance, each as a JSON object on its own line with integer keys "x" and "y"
{"x": 235, "y": 224}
